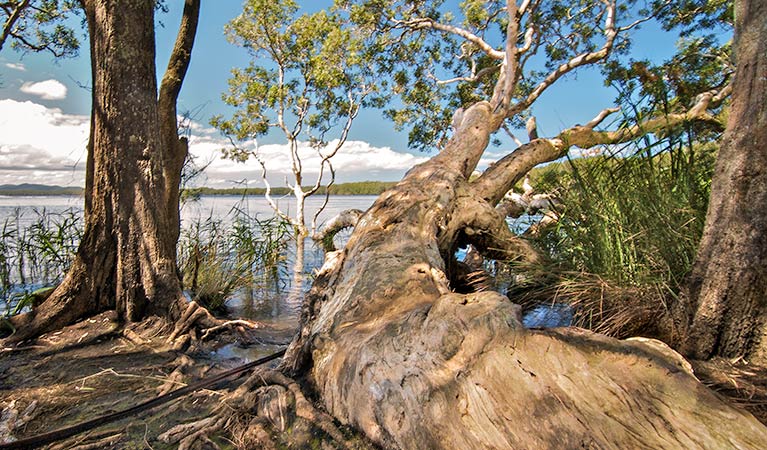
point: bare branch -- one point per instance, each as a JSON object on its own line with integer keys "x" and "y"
{"x": 511, "y": 135}
{"x": 593, "y": 123}
{"x": 427, "y": 23}
{"x": 581, "y": 60}
{"x": 504, "y": 88}
{"x": 473, "y": 78}
{"x": 501, "y": 176}
{"x": 268, "y": 193}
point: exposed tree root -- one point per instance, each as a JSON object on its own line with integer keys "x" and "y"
{"x": 268, "y": 410}
{"x": 230, "y": 325}
{"x": 11, "y": 419}
{"x": 196, "y": 317}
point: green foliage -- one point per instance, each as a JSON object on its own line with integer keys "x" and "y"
{"x": 307, "y": 73}
{"x": 40, "y": 25}
{"x": 430, "y": 69}
{"x": 702, "y": 62}
{"x": 635, "y": 220}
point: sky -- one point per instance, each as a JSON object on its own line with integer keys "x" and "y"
{"x": 45, "y": 107}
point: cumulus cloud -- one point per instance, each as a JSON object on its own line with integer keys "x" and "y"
{"x": 41, "y": 145}
{"x": 20, "y": 67}
{"x": 47, "y": 90}
{"x": 355, "y": 161}
{"x": 45, "y": 145}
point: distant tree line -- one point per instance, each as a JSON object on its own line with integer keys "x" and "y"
{"x": 357, "y": 188}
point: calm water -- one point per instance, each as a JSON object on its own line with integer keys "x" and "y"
{"x": 208, "y": 206}
{"x": 275, "y": 302}
{"x": 282, "y": 300}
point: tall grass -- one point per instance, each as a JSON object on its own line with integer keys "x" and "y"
{"x": 218, "y": 258}
{"x": 627, "y": 234}
{"x": 36, "y": 249}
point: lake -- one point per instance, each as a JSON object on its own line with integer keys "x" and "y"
{"x": 277, "y": 302}
{"x": 217, "y": 206}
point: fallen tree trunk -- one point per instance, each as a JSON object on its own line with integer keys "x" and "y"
{"x": 392, "y": 351}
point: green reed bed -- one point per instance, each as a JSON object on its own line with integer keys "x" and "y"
{"x": 627, "y": 235}
{"x": 217, "y": 257}
{"x": 36, "y": 249}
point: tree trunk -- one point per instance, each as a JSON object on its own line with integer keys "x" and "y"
{"x": 392, "y": 351}
{"x": 127, "y": 258}
{"x": 727, "y": 310}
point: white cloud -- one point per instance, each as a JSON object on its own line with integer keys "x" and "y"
{"x": 15, "y": 66}
{"x": 41, "y": 145}
{"x": 355, "y": 161}
{"x": 47, "y": 90}
{"x": 45, "y": 145}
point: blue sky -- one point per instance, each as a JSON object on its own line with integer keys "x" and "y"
{"x": 45, "y": 103}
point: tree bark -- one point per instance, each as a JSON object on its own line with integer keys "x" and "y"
{"x": 127, "y": 258}
{"x": 725, "y": 312}
{"x": 392, "y": 351}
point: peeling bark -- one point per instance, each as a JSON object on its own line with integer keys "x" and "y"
{"x": 390, "y": 349}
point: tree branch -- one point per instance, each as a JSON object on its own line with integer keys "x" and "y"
{"x": 427, "y": 23}
{"x": 504, "y": 88}
{"x": 12, "y": 18}
{"x": 581, "y": 60}
{"x": 500, "y": 177}
{"x": 179, "y": 60}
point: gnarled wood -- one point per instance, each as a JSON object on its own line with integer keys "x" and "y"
{"x": 392, "y": 351}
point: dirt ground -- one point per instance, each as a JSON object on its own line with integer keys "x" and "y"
{"x": 94, "y": 368}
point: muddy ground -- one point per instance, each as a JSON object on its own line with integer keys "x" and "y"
{"x": 95, "y": 368}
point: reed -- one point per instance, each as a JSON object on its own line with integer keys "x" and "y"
{"x": 218, "y": 258}
{"x": 36, "y": 249}
{"x": 627, "y": 234}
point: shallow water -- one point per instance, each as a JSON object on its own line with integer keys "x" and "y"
{"x": 281, "y": 300}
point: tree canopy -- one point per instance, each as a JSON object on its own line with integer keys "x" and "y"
{"x": 308, "y": 78}
{"x": 40, "y": 25}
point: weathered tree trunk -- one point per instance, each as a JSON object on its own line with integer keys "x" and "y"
{"x": 127, "y": 257}
{"x": 392, "y": 351}
{"x": 727, "y": 310}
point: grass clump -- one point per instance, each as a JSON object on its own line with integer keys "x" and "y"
{"x": 218, "y": 257}
{"x": 627, "y": 234}
{"x": 36, "y": 250}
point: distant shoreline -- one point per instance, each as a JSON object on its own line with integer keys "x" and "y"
{"x": 356, "y": 188}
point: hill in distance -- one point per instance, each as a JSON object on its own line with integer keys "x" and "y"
{"x": 38, "y": 189}
{"x": 356, "y": 188}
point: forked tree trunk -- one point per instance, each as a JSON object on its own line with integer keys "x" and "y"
{"x": 127, "y": 258}
{"x": 392, "y": 351}
{"x": 727, "y": 314}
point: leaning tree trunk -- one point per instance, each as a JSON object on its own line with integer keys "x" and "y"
{"x": 127, "y": 258}
{"x": 727, "y": 314}
{"x": 392, "y": 351}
